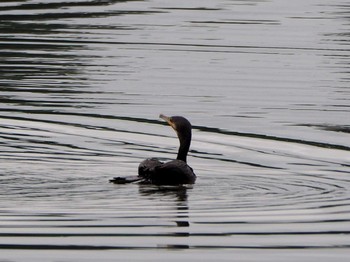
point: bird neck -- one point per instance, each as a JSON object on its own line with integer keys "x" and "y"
{"x": 184, "y": 148}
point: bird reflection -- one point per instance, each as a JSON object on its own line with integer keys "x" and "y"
{"x": 181, "y": 218}
{"x": 178, "y": 192}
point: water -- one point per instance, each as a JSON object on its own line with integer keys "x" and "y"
{"x": 265, "y": 85}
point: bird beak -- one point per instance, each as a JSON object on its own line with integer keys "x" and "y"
{"x": 168, "y": 120}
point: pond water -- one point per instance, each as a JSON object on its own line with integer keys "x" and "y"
{"x": 265, "y": 85}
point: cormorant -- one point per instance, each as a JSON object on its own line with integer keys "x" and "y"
{"x": 175, "y": 172}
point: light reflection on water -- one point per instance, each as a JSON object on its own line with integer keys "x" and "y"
{"x": 265, "y": 85}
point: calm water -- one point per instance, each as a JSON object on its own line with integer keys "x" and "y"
{"x": 265, "y": 83}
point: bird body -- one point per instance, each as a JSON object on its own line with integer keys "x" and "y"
{"x": 174, "y": 172}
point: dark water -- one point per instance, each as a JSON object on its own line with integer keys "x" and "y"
{"x": 265, "y": 84}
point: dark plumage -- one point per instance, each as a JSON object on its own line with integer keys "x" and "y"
{"x": 175, "y": 172}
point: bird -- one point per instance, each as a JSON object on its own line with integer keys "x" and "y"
{"x": 174, "y": 172}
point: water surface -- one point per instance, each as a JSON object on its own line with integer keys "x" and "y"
{"x": 265, "y": 85}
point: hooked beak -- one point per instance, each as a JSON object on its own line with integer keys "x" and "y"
{"x": 168, "y": 120}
